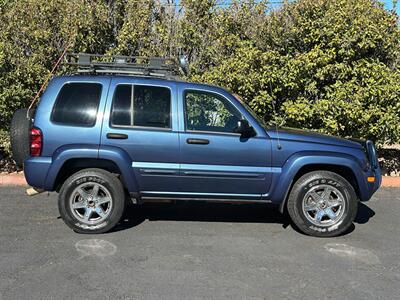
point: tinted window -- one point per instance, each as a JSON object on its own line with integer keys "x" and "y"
{"x": 137, "y": 105}
{"x": 210, "y": 112}
{"x": 77, "y": 104}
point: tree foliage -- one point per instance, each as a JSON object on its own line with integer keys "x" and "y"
{"x": 331, "y": 66}
{"x": 326, "y": 65}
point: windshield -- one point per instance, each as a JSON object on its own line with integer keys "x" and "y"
{"x": 251, "y": 111}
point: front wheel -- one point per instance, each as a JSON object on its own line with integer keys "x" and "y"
{"x": 91, "y": 201}
{"x": 322, "y": 204}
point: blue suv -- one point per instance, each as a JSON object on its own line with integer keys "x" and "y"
{"x": 101, "y": 140}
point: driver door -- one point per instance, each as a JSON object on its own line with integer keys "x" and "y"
{"x": 215, "y": 161}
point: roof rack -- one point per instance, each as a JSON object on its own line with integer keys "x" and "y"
{"x": 124, "y": 65}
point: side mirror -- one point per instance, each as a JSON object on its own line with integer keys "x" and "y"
{"x": 243, "y": 127}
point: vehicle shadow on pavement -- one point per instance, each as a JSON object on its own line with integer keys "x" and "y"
{"x": 202, "y": 212}
{"x": 364, "y": 214}
{"x": 217, "y": 212}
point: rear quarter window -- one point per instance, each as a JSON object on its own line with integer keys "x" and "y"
{"x": 77, "y": 104}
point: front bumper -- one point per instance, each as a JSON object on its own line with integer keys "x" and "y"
{"x": 374, "y": 171}
{"x": 371, "y": 187}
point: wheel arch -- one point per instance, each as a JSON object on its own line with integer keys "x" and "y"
{"x": 296, "y": 167}
{"x": 73, "y": 165}
{"x": 70, "y": 159}
{"x": 344, "y": 171}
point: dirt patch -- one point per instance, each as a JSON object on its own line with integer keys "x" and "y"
{"x": 7, "y": 164}
{"x": 389, "y": 160}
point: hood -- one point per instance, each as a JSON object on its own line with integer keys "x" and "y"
{"x": 311, "y": 137}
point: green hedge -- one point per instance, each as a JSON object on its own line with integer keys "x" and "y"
{"x": 326, "y": 65}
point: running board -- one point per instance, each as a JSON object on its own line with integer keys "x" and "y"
{"x": 141, "y": 199}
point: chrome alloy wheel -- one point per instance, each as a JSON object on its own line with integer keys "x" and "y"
{"x": 324, "y": 205}
{"x": 91, "y": 203}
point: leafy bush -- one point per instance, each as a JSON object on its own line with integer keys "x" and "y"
{"x": 326, "y": 65}
{"x": 5, "y": 145}
{"x": 331, "y": 66}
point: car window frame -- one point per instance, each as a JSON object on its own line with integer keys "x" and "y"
{"x": 185, "y": 91}
{"x": 111, "y": 125}
{"x": 52, "y": 121}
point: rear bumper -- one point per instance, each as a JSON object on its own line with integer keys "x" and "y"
{"x": 35, "y": 170}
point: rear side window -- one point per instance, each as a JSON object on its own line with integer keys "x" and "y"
{"x": 143, "y": 106}
{"x": 77, "y": 104}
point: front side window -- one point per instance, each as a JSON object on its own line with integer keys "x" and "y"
{"x": 139, "y": 105}
{"x": 206, "y": 111}
{"x": 77, "y": 104}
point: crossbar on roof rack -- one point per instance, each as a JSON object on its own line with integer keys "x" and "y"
{"x": 126, "y": 65}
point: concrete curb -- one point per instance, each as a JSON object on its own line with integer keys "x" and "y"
{"x": 13, "y": 179}
{"x": 18, "y": 179}
{"x": 389, "y": 181}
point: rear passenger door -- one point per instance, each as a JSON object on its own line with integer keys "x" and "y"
{"x": 142, "y": 120}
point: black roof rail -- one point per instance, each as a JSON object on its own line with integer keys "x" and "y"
{"x": 158, "y": 67}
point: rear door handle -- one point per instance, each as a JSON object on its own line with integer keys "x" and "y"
{"x": 198, "y": 141}
{"x": 118, "y": 136}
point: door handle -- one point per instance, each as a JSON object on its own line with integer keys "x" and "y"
{"x": 118, "y": 136}
{"x": 198, "y": 141}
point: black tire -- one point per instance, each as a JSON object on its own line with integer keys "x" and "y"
{"x": 303, "y": 209}
{"x": 108, "y": 183}
{"x": 19, "y": 135}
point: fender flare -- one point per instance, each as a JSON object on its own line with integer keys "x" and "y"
{"x": 124, "y": 162}
{"x": 113, "y": 154}
{"x": 64, "y": 153}
{"x": 302, "y": 159}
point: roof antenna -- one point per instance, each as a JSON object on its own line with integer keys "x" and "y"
{"x": 279, "y": 146}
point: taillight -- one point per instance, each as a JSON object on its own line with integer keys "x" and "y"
{"x": 36, "y": 142}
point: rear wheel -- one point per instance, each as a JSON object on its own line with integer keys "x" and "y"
{"x": 323, "y": 204}
{"x": 91, "y": 201}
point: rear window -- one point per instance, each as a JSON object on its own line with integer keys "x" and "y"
{"x": 77, "y": 104}
{"x": 143, "y": 106}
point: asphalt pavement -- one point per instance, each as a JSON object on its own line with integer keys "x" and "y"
{"x": 196, "y": 251}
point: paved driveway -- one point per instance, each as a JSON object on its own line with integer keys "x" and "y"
{"x": 196, "y": 251}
